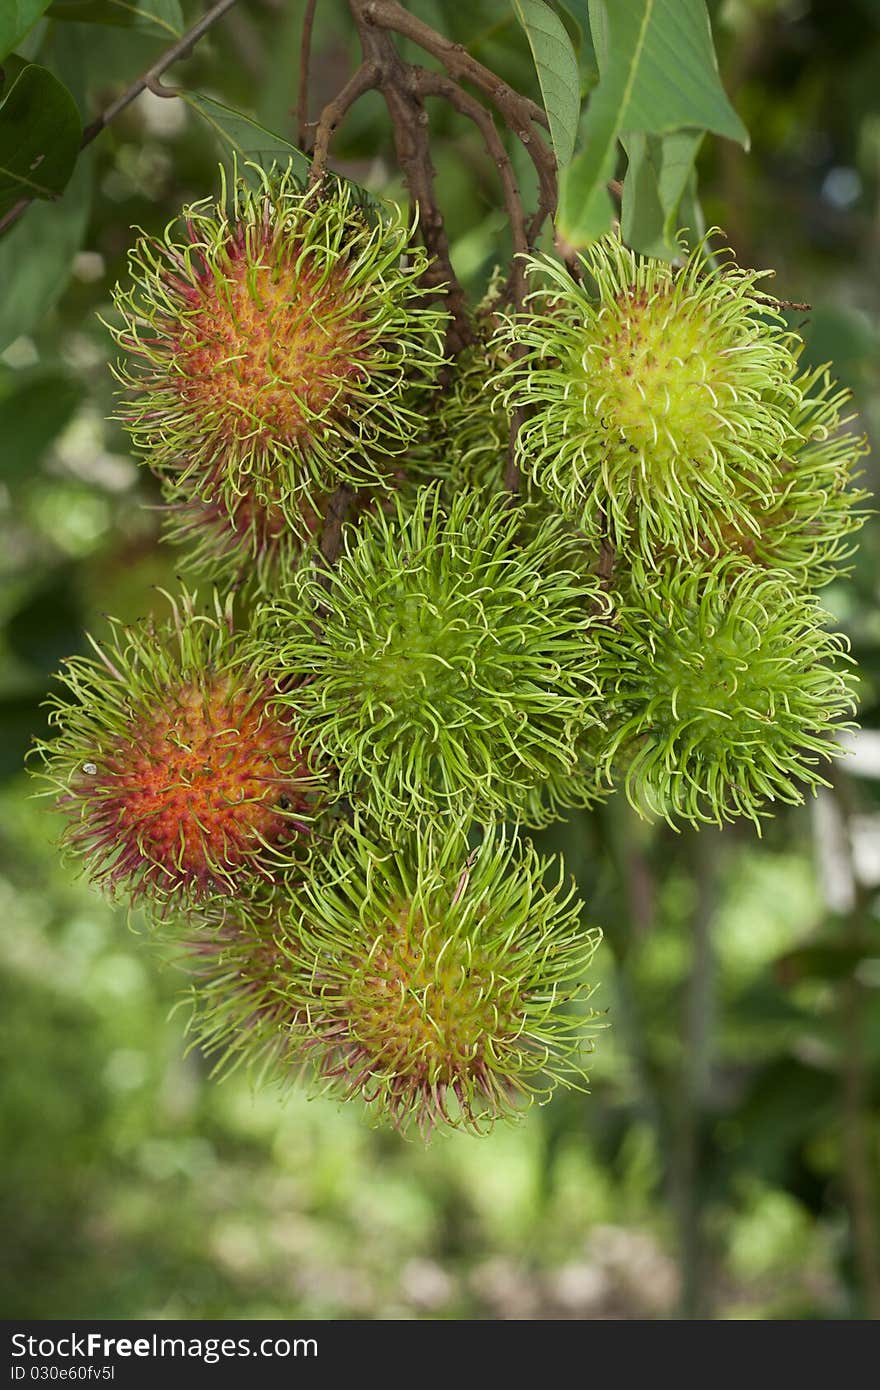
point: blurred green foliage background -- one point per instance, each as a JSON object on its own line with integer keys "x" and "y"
{"x": 725, "y": 1162}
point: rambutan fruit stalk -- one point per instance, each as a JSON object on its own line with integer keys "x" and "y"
{"x": 179, "y": 777}
{"x": 445, "y": 666}
{"x": 724, "y": 690}
{"x": 447, "y": 987}
{"x": 276, "y": 348}
{"x": 661, "y": 401}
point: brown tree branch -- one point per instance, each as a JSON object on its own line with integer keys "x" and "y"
{"x": 305, "y": 59}
{"x": 409, "y": 121}
{"x": 367, "y": 77}
{"x": 435, "y": 84}
{"x": 520, "y": 113}
{"x": 405, "y": 87}
{"x": 181, "y": 48}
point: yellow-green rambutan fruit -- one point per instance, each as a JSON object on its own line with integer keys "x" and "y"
{"x": 278, "y": 347}
{"x": 446, "y": 664}
{"x": 724, "y": 690}
{"x": 447, "y": 986}
{"x": 179, "y": 777}
{"x": 663, "y": 405}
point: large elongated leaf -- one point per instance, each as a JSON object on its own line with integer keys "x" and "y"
{"x": 37, "y": 254}
{"x": 16, "y": 18}
{"x": 240, "y": 136}
{"x": 657, "y": 74}
{"x": 557, "y": 67}
{"x": 657, "y": 179}
{"x": 161, "y": 18}
{"x": 40, "y": 133}
{"x": 33, "y": 412}
{"x": 246, "y": 140}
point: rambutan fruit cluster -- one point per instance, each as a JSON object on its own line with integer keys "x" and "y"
{"x": 668, "y": 418}
{"x": 181, "y": 777}
{"x": 324, "y": 800}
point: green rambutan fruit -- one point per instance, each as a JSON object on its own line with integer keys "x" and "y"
{"x": 662, "y": 403}
{"x": 445, "y": 666}
{"x": 179, "y": 776}
{"x": 723, "y": 691}
{"x": 240, "y": 973}
{"x": 278, "y": 348}
{"x": 807, "y": 530}
{"x": 442, "y": 981}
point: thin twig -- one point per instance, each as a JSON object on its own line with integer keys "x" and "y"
{"x": 520, "y": 113}
{"x": 435, "y": 84}
{"x": 409, "y": 122}
{"x": 305, "y": 59}
{"x": 181, "y": 48}
{"x": 772, "y": 303}
{"x": 334, "y": 521}
{"x": 387, "y": 14}
{"x": 404, "y": 87}
{"x": 364, "y": 80}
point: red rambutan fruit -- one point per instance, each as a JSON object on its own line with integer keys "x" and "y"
{"x": 179, "y": 776}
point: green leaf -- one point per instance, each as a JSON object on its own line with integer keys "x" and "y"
{"x": 245, "y": 139}
{"x": 557, "y": 67}
{"x": 658, "y": 74}
{"x": 34, "y": 409}
{"x": 37, "y": 253}
{"x": 658, "y": 177}
{"x": 40, "y": 133}
{"x": 16, "y": 18}
{"x": 162, "y": 18}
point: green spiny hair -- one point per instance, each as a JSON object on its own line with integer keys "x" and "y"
{"x": 278, "y": 347}
{"x": 448, "y": 985}
{"x": 179, "y": 779}
{"x": 445, "y": 666}
{"x": 724, "y": 689}
{"x": 239, "y": 985}
{"x": 470, "y": 425}
{"x": 808, "y": 528}
{"x": 233, "y": 540}
{"x": 659, "y": 399}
